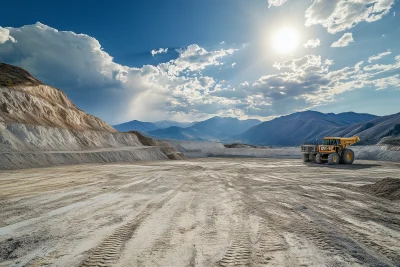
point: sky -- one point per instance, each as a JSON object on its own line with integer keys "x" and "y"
{"x": 188, "y": 60}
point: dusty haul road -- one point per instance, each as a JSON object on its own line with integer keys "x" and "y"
{"x": 204, "y": 212}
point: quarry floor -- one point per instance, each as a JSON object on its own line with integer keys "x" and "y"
{"x": 200, "y": 212}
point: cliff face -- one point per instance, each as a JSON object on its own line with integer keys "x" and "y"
{"x": 24, "y": 99}
{"x": 41, "y": 127}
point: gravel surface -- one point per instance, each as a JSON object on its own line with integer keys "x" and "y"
{"x": 199, "y": 212}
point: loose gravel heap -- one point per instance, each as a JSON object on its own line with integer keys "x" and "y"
{"x": 388, "y": 188}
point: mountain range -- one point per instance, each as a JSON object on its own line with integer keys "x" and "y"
{"x": 289, "y": 130}
{"x": 143, "y": 126}
{"x": 214, "y": 129}
{"x": 301, "y": 127}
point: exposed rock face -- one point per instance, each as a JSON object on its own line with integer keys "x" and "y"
{"x": 40, "y": 127}
{"x": 24, "y": 99}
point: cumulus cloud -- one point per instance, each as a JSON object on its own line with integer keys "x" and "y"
{"x": 233, "y": 65}
{"x": 276, "y": 2}
{"x": 340, "y": 15}
{"x": 159, "y": 51}
{"x": 182, "y": 88}
{"x": 343, "y": 41}
{"x": 77, "y": 63}
{"x": 379, "y": 56}
{"x": 5, "y": 36}
{"x": 195, "y": 58}
{"x": 305, "y": 83}
{"x": 313, "y": 43}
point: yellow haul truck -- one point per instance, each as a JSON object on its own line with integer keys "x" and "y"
{"x": 334, "y": 150}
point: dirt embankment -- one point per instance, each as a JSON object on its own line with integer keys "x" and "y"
{"x": 30, "y": 146}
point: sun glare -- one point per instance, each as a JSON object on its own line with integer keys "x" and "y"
{"x": 285, "y": 40}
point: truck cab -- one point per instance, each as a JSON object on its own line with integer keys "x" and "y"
{"x": 329, "y": 145}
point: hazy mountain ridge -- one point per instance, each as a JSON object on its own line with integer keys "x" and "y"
{"x": 290, "y": 130}
{"x": 370, "y": 132}
{"x": 216, "y": 128}
{"x": 167, "y": 123}
{"x": 300, "y": 127}
{"x": 136, "y": 125}
{"x": 143, "y": 126}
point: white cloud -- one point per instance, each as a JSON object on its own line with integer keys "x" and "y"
{"x": 195, "y": 58}
{"x": 313, "y": 43}
{"x": 345, "y": 40}
{"x": 76, "y": 63}
{"x": 384, "y": 83}
{"x": 233, "y": 65}
{"x": 5, "y": 36}
{"x": 339, "y": 15}
{"x": 358, "y": 65}
{"x": 223, "y": 42}
{"x": 307, "y": 82}
{"x": 180, "y": 89}
{"x": 379, "y": 56}
{"x": 276, "y": 2}
{"x": 159, "y": 51}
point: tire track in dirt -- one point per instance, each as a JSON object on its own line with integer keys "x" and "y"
{"x": 162, "y": 244}
{"x": 239, "y": 252}
{"x": 355, "y": 236}
{"x": 109, "y": 250}
{"x": 333, "y": 240}
{"x": 268, "y": 243}
{"x": 368, "y": 244}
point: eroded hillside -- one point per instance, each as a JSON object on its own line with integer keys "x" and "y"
{"x": 24, "y": 99}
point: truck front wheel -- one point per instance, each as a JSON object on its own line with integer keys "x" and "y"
{"x": 333, "y": 159}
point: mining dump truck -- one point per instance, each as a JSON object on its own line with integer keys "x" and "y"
{"x": 334, "y": 150}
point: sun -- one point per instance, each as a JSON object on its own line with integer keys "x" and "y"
{"x": 285, "y": 40}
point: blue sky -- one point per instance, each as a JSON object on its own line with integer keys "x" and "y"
{"x": 215, "y": 57}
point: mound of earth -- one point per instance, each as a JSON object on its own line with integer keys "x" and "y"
{"x": 25, "y": 99}
{"x": 168, "y": 149}
{"x": 390, "y": 140}
{"x": 239, "y": 145}
{"x": 388, "y": 188}
{"x": 41, "y": 127}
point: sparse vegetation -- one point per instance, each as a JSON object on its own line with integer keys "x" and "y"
{"x": 12, "y": 76}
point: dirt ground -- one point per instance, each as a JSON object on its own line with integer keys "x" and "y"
{"x": 200, "y": 212}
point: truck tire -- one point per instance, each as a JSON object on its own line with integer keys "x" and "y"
{"x": 312, "y": 157}
{"x": 347, "y": 156}
{"x": 306, "y": 157}
{"x": 318, "y": 158}
{"x": 333, "y": 159}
